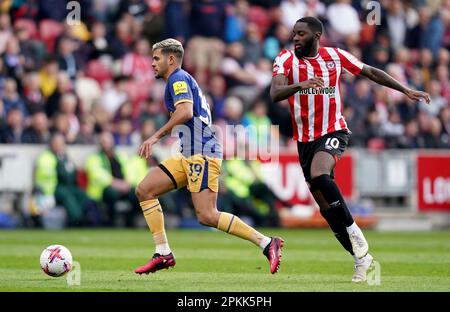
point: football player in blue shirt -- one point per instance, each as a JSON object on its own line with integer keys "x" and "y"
{"x": 198, "y": 165}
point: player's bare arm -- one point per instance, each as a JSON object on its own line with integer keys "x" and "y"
{"x": 281, "y": 90}
{"x": 182, "y": 114}
{"x": 381, "y": 77}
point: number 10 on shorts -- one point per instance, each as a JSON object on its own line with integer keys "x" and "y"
{"x": 331, "y": 143}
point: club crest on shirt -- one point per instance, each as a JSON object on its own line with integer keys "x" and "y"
{"x": 331, "y": 65}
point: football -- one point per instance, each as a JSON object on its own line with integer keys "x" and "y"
{"x": 56, "y": 260}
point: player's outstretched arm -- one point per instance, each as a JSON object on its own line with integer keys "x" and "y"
{"x": 381, "y": 77}
{"x": 183, "y": 113}
{"x": 281, "y": 90}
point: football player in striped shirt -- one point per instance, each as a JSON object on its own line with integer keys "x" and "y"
{"x": 309, "y": 76}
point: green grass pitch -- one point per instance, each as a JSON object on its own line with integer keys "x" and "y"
{"x": 208, "y": 260}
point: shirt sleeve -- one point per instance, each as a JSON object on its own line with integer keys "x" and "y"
{"x": 180, "y": 90}
{"x": 350, "y": 62}
{"x": 281, "y": 65}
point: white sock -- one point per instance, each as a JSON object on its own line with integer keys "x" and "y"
{"x": 163, "y": 249}
{"x": 357, "y": 260}
{"x": 264, "y": 242}
{"x": 354, "y": 228}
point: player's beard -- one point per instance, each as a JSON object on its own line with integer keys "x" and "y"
{"x": 306, "y": 49}
{"x": 158, "y": 75}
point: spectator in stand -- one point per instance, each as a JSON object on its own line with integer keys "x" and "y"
{"x": 426, "y": 65}
{"x": 176, "y": 20}
{"x": 252, "y": 44}
{"x": 11, "y": 98}
{"x": 38, "y": 131}
{"x": 13, "y": 58}
{"x": 360, "y": 98}
{"x": 429, "y": 32}
{"x": 68, "y": 106}
{"x": 66, "y": 56}
{"x": 152, "y": 110}
{"x": 12, "y": 131}
{"x": 259, "y": 125}
{"x": 291, "y": 11}
{"x": 3, "y": 75}
{"x": 48, "y": 76}
{"x": 437, "y": 102}
{"x": 435, "y": 137}
{"x": 410, "y": 139}
{"x": 114, "y": 95}
{"x": 53, "y": 9}
{"x": 339, "y": 11}
{"x": 276, "y": 42}
{"x": 206, "y": 48}
{"x": 239, "y": 77}
{"x": 123, "y": 130}
{"x": 32, "y": 51}
{"x": 236, "y": 21}
{"x": 443, "y": 57}
{"x": 32, "y": 92}
{"x": 392, "y": 129}
{"x": 373, "y": 125}
{"x": 60, "y": 124}
{"x": 217, "y": 92}
{"x": 122, "y": 39}
{"x": 6, "y": 31}
{"x": 138, "y": 65}
{"x": 86, "y": 135}
{"x": 395, "y": 23}
{"x": 99, "y": 45}
{"x": 64, "y": 85}
{"x": 135, "y": 8}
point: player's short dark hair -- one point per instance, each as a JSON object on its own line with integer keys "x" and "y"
{"x": 170, "y": 45}
{"x": 313, "y": 23}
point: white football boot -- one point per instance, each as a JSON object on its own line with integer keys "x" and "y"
{"x": 361, "y": 267}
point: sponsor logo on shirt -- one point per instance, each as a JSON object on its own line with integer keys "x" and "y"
{"x": 180, "y": 87}
{"x": 330, "y": 91}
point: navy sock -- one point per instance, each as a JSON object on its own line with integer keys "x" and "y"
{"x": 338, "y": 228}
{"x": 333, "y": 197}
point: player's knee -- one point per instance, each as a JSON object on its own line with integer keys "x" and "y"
{"x": 317, "y": 172}
{"x": 206, "y": 218}
{"x": 143, "y": 193}
{"x": 318, "y": 181}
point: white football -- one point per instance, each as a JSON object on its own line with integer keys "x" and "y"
{"x": 56, "y": 260}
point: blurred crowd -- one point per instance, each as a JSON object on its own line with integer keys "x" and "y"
{"x": 79, "y": 79}
{"x": 82, "y": 79}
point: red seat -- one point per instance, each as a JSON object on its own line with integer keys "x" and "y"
{"x": 49, "y": 30}
{"x": 99, "y": 71}
{"x": 260, "y": 17}
{"x": 28, "y": 25}
{"x": 137, "y": 92}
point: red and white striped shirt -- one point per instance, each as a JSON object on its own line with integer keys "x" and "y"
{"x": 316, "y": 113}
